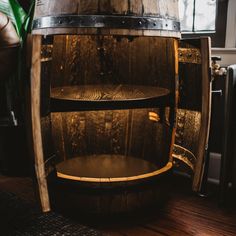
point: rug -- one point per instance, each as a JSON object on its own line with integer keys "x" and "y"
{"x": 19, "y": 218}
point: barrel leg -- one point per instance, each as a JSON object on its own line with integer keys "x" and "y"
{"x": 36, "y": 123}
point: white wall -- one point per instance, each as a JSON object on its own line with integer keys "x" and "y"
{"x": 230, "y": 41}
{"x": 228, "y": 53}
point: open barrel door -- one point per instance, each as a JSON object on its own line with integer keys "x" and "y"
{"x": 193, "y": 115}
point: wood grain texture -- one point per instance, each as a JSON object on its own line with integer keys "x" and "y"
{"x": 105, "y": 93}
{"x": 148, "y": 8}
{"x": 184, "y": 214}
{"x": 174, "y": 106}
{"x": 99, "y": 60}
{"x": 82, "y": 60}
{"x": 111, "y": 132}
{"x": 103, "y": 61}
{"x": 36, "y": 123}
{"x": 108, "y": 196}
{"x": 157, "y": 8}
{"x": 96, "y": 60}
{"x": 188, "y": 128}
{"x": 205, "y": 113}
{"x": 195, "y": 104}
{"x": 112, "y": 168}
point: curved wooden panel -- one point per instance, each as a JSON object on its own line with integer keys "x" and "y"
{"x": 193, "y": 116}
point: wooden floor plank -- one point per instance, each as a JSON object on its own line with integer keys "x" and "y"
{"x": 185, "y": 214}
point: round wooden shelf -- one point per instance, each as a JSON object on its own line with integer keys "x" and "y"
{"x": 97, "y": 97}
{"x": 108, "y": 168}
{"x": 108, "y": 92}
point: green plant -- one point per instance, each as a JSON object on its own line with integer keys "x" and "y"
{"x": 20, "y": 18}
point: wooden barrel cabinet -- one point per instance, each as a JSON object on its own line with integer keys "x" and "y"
{"x": 104, "y": 95}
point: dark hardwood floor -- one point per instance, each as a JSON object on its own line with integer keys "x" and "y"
{"x": 183, "y": 214}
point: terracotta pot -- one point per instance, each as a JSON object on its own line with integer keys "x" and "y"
{"x": 9, "y": 46}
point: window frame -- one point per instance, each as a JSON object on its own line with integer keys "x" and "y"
{"x": 218, "y": 36}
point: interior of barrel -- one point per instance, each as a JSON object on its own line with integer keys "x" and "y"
{"x": 119, "y": 140}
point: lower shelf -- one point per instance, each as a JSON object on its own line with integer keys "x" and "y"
{"x": 94, "y": 198}
{"x": 108, "y": 168}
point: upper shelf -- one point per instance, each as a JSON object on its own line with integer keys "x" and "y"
{"x": 103, "y": 97}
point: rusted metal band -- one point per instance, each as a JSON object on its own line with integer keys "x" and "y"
{"x": 106, "y": 21}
